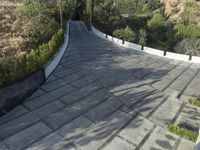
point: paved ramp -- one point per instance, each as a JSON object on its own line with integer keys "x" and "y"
{"x": 103, "y": 96}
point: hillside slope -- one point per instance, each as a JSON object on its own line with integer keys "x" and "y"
{"x": 174, "y": 8}
{"x": 11, "y": 40}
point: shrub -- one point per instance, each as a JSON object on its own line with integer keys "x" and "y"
{"x": 183, "y": 132}
{"x": 188, "y": 46}
{"x": 156, "y": 22}
{"x": 195, "y": 102}
{"x": 139, "y": 21}
{"x": 143, "y": 36}
{"x": 38, "y": 17}
{"x": 15, "y": 68}
{"x": 126, "y": 34}
{"x": 187, "y": 31}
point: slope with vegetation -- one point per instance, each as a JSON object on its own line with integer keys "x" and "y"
{"x": 30, "y": 34}
{"x": 168, "y": 25}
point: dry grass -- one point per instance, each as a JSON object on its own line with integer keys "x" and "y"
{"x": 175, "y": 8}
{"x": 12, "y": 41}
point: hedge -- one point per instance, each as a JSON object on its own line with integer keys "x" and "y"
{"x": 17, "y": 68}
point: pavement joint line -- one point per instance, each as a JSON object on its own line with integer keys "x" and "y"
{"x": 145, "y": 75}
{"x": 57, "y": 87}
{"x": 38, "y": 139}
{"x": 38, "y": 121}
{"x": 145, "y": 138}
{"x": 30, "y": 111}
{"x": 76, "y": 116}
{"x": 186, "y": 86}
{"x": 177, "y": 142}
{"x": 18, "y": 116}
{"x": 142, "y": 98}
{"x": 177, "y": 77}
{"x": 154, "y": 110}
{"x": 122, "y": 138}
{"x": 82, "y": 98}
{"x": 117, "y": 132}
{"x": 178, "y": 113}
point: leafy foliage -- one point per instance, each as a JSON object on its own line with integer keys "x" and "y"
{"x": 187, "y": 31}
{"x": 143, "y": 36}
{"x": 38, "y": 18}
{"x": 195, "y": 102}
{"x": 190, "y": 46}
{"x": 126, "y": 34}
{"x": 15, "y": 68}
{"x": 190, "y": 135}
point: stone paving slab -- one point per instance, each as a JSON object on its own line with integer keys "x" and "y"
{"x": 3, "y": 146}
{"x": 82, "y": 93}
{"x": 62, "y": 91}
{"x": 53, "y": 85}
{"x": 39, "y": 101}
{"x": 149, "y": 103}
{"x": 76, "y": 128}
{"x": 190, "y": 116}
{"x": 164, "y": 115}
{"x": 16, "y": 112}
{"x": 185, "y": 145}
{"x": 72, "y": 111}
{"x": 119, "y": 144}
{"x": 131, "y": 97}
{"x": 160, "y": 139}
{"x": 36, "y": 94}
{"x": 52, "y": 142}
{"x": 27, "y": 136}
{"x": 104, "y": 109}
{"x": 17, "y": 125}
{"x": 136, "y": 130}
{"x": 99, "y": 134}
{"x": 48, "y": 109}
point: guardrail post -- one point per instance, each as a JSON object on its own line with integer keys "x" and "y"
{"x": 165, "y": 53}
{"x": 190, "y": 57}
{"x": 106, "y": 36}
{"x": 142, "y": 47}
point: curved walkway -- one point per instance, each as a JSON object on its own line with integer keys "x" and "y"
{"x": 103, "y": 96}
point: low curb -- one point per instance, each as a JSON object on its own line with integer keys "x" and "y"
{"x": 197, "y": 145}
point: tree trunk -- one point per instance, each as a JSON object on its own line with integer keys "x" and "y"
{"x": 61, "y": 14}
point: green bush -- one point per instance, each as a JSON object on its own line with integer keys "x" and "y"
{"x": 125, "y": 34}
{"x": 183, "y": 132}
{"x": 195, "y": 102}
{"x": 138, "y": 21}
{"x": 156, "y": 22}
{"x": 15, "y": 68}
{"x": 189, "y": 46}
{"x": 187, "y": 31}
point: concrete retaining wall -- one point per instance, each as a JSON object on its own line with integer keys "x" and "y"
{"x": 14, "y": 94}
{"x": 157, "y": 52}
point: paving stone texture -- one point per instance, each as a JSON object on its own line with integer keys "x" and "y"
{"x": 105, "y": 97}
